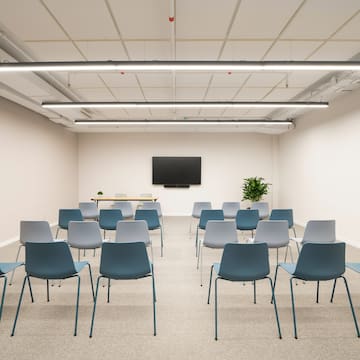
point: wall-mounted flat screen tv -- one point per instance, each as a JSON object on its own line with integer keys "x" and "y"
{"x": 176, "y": 171}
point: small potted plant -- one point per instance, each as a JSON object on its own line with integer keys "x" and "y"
{"x": 254, "y": 188}
{"x": 100, "y": 193}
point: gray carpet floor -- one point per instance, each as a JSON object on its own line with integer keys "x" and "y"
{"x": 123, "y": 328}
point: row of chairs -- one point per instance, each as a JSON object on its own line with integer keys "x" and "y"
{"x": 53, "y": 261}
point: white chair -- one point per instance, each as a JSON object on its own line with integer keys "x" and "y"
{"x": 263, "y": 208}
{"x": 89, "y": 210}
{"x": 230, "y": 209}
{"x": 218, "y": 233}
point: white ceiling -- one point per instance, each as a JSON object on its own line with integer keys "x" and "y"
{"x": 70, "y": 30}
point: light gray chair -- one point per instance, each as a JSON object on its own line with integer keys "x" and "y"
{"x": 83, "y": 235}
{"x": 133, "y": 231}
{"x": 125, "y": 207}
{"x": 275, "y": 233}
{"x": 33, "y": 231}
{"x": 263, "y": 208}
{"x": 141, "y": 203}
{"x": 230, "y": 209}
{"x": 89, "y": 210}
{"x": 218, "y": 233}
{"x": 198, "y": 207}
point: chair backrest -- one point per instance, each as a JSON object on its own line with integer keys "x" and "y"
{"x": 132, "y": 231}
{"x": 51, "y": 260}
{"x": 84, "y": 234}
{"x": 230, "y": 209}
{"x": 152, "y": 205}
{"x": 89, "y": 210}
{"x": 283, "y": 214}
{"x": 247, "y": 219}
{"x": 319, "y": 231}
{"x": 66, "y": 215}
{"x": 219, "y": 232}
{"x": 324, "y": 261}
{"x": 124, "y": 260}
{"x": 150, "y": 216}
{"x": 199, "y": 206}
{"x": 244, "y": 262}
{"x": 263, "y": 208}
{"x": 207, "y": 215}
{"x": 35, "y": 231}
{"x": 108, "y": 218}
{"x": 125, "y": 207}
{"x": 275, "y": 233}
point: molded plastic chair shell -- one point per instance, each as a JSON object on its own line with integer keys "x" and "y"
{"x": 109, "y": 217}
{"x": 230, "y": 209}
{"x": 89, "y": 210}
{"x": 207, "y": 215}
{"x": 319, "y": 231}
{"x": 199, "y": 206}
{"x": 152, "y": 205}
{"x": 132, "y": 231}
{"x": 125, "y": 207}
{"x": 150, "y": 216}
{"x": 218, "y": 233}
{"x": 35, "y": 231}
{"x": 247, "y": 219}
{"x": 283, "y": 214}
{"x": 67, "y": 215}
{"x": 263, "y": 208}
{"x": 84, "y": 235}
{"x": 273, "y": 232}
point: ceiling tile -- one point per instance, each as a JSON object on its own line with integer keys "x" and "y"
{"x": 84, "y": 80}
{"x": 190, "y": 94}
{"x": 203, "y": 19}
{"x": 319, "y": 19}
{"x": 119, "y": 80}
{"x": 102, "y": 50}
{"x": 259, "y": 19}
{"x": 265, "y": 79}
{"x": 291, "y": 50}
{"x": 211, "y": 113}
{"x": 138, "y": 114}
{"x": 84, "y": 19}
{"x": 158, "y": 94}
{"x": 54, "y": 51}
{"x": 252, "y": 93}
{"x": 155, "y": 79}
{"x": 304, "y": 78}
{"x": 128, "y": 94}
{"x": 229, "y": 79}
{"x": 192, "y": 79}
{"x": 245, "y": 50}
{"x": 350, "y": 30}
{"x": 115, "y": 114}
{"x": 282, "y": 94}
{"x": 221, "y": 94}
{"x": 337, "y": 50}
{"x": 261, "y": 113}
{"x": 198, "y": 50}
{"x": 142, "y": 19}
{"x": 236, "y": 113}
{"x": 18, "y": 16}
{"x": 149, "y": 50}
{"x": 96, "y": 94}
{"x": 24, "y": 84}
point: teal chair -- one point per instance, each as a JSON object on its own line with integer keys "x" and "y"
{"x": 67, "y": 215}
{"x": 153, "y": 221}
{"x": 247, "y": 220}
{"x": 242, "y": 263}
{"x": 108, "y": 219}
{"x": 318, "y": 262}
{"x": 4, "y": 269}
{"x": 51, "y": 261}
{"x": 284, "y": 214}
{"x": 205, "y": 216}
{"x": 124, "y": 261}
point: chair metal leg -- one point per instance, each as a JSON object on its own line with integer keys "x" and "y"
{"x": 47, "y": 290}
{"x": 94, "y": 308}
{"x": 216, "y": 309}
{"x": 84, "y": 252}
{"x": 30, "y": 289}
{"x": 293, "y": 307}
{"x": 333, "y": 291}
{"x": 317, "y": 291}
{"x": 286, "y": 252}
{"x": 152, "y": 271}
{"x": 108, "y": 291}
{"x": 275, "y": 307}
{"x": 3, "y": 295}
{"x": 277, "y": 256}
{"x": 17, "y": 258}
{"x": 211, "y": 273}
{"x": 275, "y": 278}
{"x": 19, "y": 304}
{"x": 57, "y": 232}
{"x": 254, "y": 285}
{"x": 196, "y": 241}
{"x": 78, "y": 254}
{"x": 293, "y": 228}
{"x": 91, "y": 282}
{"x": 154, "y": 301}
{"x": 94, "y": 253}
{"x": 77, "y": 305}
{"x": 351, "y": 307}
{"x": 162, "y": 243}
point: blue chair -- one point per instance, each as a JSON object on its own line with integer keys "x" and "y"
{"x": 198, "y": 207}
{"x": 124, "y": 261}
{"x": 205, "y": 216}
{"x": 318, "y": 262}
{"x": 51, "y": 261}
{"x": 284, "y": 214}
{"x": 67, "y": 215}
{"x": 242, "y": 263}
{"x": 152, "y": 218}
{"x": 108, "y": 219}
{"x": 247, "y": 220}
{"x": 4, "y": 269}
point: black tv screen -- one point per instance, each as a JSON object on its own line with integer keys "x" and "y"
{"x": 176, "y": 171}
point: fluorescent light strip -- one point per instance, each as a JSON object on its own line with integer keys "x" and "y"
{"x": 177, "y": 122}
{"x": 181, "y": 105}
{"x": 182, "y": 66}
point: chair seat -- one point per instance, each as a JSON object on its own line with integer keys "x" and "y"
{"x": 289, "y": 268}
{"x": 354, "y": 266}
{"x": 7, "y": 267}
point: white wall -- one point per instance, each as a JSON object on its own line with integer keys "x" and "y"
{"x": 319, "y": 172}
{"x": 121, "y": 162}
{"x": 38, "y": 168}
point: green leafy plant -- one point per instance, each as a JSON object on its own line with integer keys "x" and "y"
{"x": 254, "y": 188}
{"x": 100, "y": 193}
